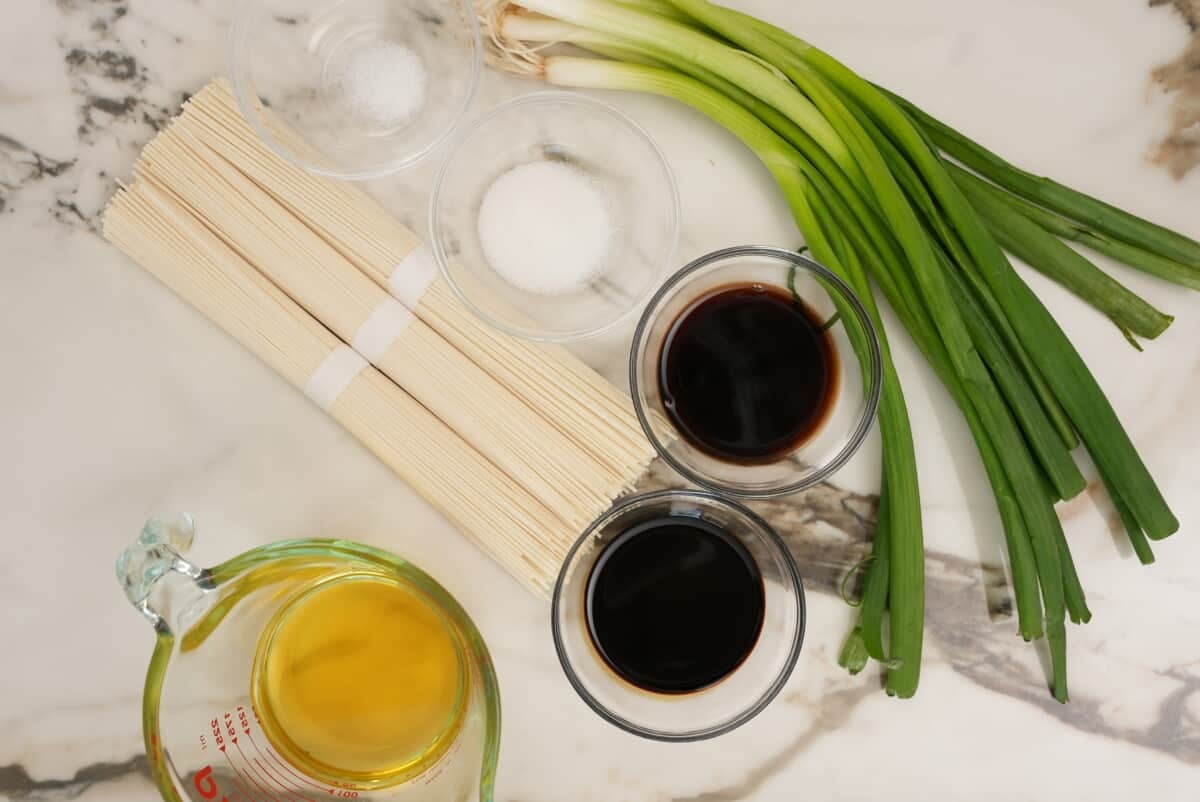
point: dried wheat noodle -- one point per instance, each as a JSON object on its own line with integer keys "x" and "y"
{"x": 500, "y": 425}
{"x": 522, "y": 534}
{"x": 582, "y": 404}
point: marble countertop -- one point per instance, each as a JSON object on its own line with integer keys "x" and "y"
{"x": 118, "y": 401}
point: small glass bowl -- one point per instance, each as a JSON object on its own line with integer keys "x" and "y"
{"x": 859, "y": 370}
{"x": 291, "y": 60}
{"x": 630, "y": 172}
{"x": 711, "y": 711}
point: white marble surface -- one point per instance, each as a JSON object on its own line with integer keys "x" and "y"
{"x": 118, "y": 400}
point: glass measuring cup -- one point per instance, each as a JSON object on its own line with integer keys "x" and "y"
{"x": 219, "y": 726}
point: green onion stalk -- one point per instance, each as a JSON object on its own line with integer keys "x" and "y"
{"x": 1060, "y": 363}
{"x": 1117, "y": 460}
{"x": 869, "y": 188}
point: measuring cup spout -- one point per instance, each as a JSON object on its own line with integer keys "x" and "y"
{"x": 156, "y": 579}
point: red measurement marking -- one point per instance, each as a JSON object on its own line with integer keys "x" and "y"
{"x": 230, "y": 728}
{"x": 245, "y": 792}
{"x": 273, "y": 774}
{"x": 236, "y": 774}
{"x": 272, "y": 777}
{"x": 255, "y": 776}
{"x": 291, "y": 792}
{"x": 250, "y": 777}
{"x": 278, "y": 761}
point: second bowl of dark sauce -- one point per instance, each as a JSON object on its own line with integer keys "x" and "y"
{"x": 678, "y": 615}
{"x": 675, "y": 604}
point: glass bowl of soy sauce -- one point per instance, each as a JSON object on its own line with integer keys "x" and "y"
{"x": 755, "y": 372}
{"x": 678, "y": 615}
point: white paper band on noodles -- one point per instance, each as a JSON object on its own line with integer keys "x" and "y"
{"x": 379, "y": 331}
{"x": 334, "y": 375}
{"x": 412, "y": 275}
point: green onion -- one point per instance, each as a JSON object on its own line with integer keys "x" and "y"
{"x": 1074, "y": 386}
{"x": 904, "y": 563}
{"x": 903, "y": 298}
{"x": 873, "y": 607}
{"x": 1147, "y": 262}
{"x": 871, "y": 193}
{"x": 1098, "y": 215}
{"x": 1064, "y": 474}
{"x": 1040, "y": 249}
{"x": 853, "y": 657}
{"x": 1137, "y": 538}
{"x": 1065, "y": 478}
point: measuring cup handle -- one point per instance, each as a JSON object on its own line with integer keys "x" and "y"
{"x": 154, "y": 555}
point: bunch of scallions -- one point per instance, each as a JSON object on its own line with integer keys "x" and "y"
{"x": 883, "y": 192}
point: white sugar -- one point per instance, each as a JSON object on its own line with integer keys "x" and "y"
{"x": 384, "y": 82}
{"x": 545, "y": 227}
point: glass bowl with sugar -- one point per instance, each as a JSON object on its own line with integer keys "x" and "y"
{"x": 554, "y": 216}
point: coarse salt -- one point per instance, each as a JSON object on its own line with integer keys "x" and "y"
{"x": 546, "y": 227}
{"x": 384, "y": 82}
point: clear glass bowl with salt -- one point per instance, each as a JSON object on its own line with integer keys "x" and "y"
{"x": 354, "y": 89}
{"x": 554, "y": 216}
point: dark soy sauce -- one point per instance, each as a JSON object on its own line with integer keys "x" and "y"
{"x": 674, "y": 604}
{"x": 747, "y": 374}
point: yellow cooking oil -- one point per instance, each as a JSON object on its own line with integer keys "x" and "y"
{"x": 361, "y": 679}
